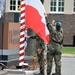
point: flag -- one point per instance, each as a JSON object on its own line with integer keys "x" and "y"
{"x": 35, "y": 18}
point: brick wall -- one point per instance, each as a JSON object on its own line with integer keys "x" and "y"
{"x": 9, "y": 17}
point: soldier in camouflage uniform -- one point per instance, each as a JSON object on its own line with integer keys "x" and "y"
{"x": 54, "y": 48}
{"x": 40, "y": 46}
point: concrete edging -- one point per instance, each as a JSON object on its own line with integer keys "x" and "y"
{"x": 68, "y": 55}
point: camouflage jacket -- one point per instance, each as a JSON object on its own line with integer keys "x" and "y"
{"x": 56, "y": 36}
{"x": 39, "y": 42}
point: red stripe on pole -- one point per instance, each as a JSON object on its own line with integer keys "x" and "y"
{"x": 22, "y": 24}
{"x": 21, "y": 54}
{"x": 21, "y": 48}
{"x": 22, "y": 61}
{"x": 21, "y": 42}
{"x": 22, "y": 11}
{"x": 22, "y": 5}
{"x": 23, "y": 29}
{"x": 21, "y": 36}
{"x": 23, "y": 17}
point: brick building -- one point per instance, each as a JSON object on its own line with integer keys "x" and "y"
{"x": 56, "y": 9}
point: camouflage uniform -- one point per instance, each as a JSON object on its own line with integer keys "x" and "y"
{"x": 41, "y": 45}
{"x": 54, "y": 50}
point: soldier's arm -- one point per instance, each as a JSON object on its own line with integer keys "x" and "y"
{"x": 50, "y": 27}
{"x": 61, "y": 43}
{"x": 33, "y": 36}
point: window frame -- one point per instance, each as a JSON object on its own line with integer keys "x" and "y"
{"x": 16, "y": 9}
{"x": 57, "y": 6}
{"x": 73, "y": 7}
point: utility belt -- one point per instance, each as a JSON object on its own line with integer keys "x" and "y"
{"x": 54, "y": 42}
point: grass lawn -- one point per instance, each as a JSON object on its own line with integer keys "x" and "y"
{"x": 68, "y": 50}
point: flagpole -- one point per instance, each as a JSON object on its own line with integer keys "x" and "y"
{"x": 45, "y": 59}
{"x": 22, "y": 33}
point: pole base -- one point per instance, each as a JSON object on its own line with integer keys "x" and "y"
{"x": 21, "y": 67}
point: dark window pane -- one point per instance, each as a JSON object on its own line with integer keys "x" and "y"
{"x": 10, "y": 7}
{"x": 59, "y": 9}
{"x": 19, "y": 3}
{"x": 54, "y": 3}
{"x": 14, "y": 7}
{"x": 14, "y": 2}
{"x": 10, "y": 1}
{"x": 51, "y": 3}
{"x": 54, "y": 8}
{"x": 51, "y": 9}
{"x": 74, "y": 3}
{"x": 62, "y": 3}
{"x": 74, "y": 9}
{"x": 59, "y": 4}
{"x": 62, "y": 8}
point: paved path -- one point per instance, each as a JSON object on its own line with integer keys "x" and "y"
{"x": 68, "y": 67}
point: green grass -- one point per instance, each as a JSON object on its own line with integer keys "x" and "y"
{"x": 68, "y": 50}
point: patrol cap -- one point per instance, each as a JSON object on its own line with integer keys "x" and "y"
{"x": 58, "y": 24}
{"x": 58, "y": 21}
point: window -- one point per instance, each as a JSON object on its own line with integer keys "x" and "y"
{"x": 56, "y": 6}
{"x": 74, "y": 6}
{"x": 14, "y": 4}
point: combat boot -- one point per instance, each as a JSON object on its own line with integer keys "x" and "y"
{"x": 39, "y": 74}
{"x": 48, "y": 73}
{"x": 53, "y": 73}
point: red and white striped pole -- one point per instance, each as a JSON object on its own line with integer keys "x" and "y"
{"x": 22, "y": 33}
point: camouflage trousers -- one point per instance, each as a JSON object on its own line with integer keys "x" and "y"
{"x": 41, "y": 62}
{"x": 53, "y": 52}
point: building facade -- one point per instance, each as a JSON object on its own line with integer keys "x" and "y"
{"x": 56, "y": 9}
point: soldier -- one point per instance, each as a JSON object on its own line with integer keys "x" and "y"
{"x": 54, "y": 48}
{"x": 40, "y": 46}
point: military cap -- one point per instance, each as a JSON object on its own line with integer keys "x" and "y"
{"x": 58, "y": 24}
{"x": 58, "y": 21}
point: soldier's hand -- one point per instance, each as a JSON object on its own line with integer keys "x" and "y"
{"x": 39, "y": 51}
{"x": 27, "y": 36}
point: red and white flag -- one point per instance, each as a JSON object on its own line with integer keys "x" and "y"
{"x": 35, "y": 18}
